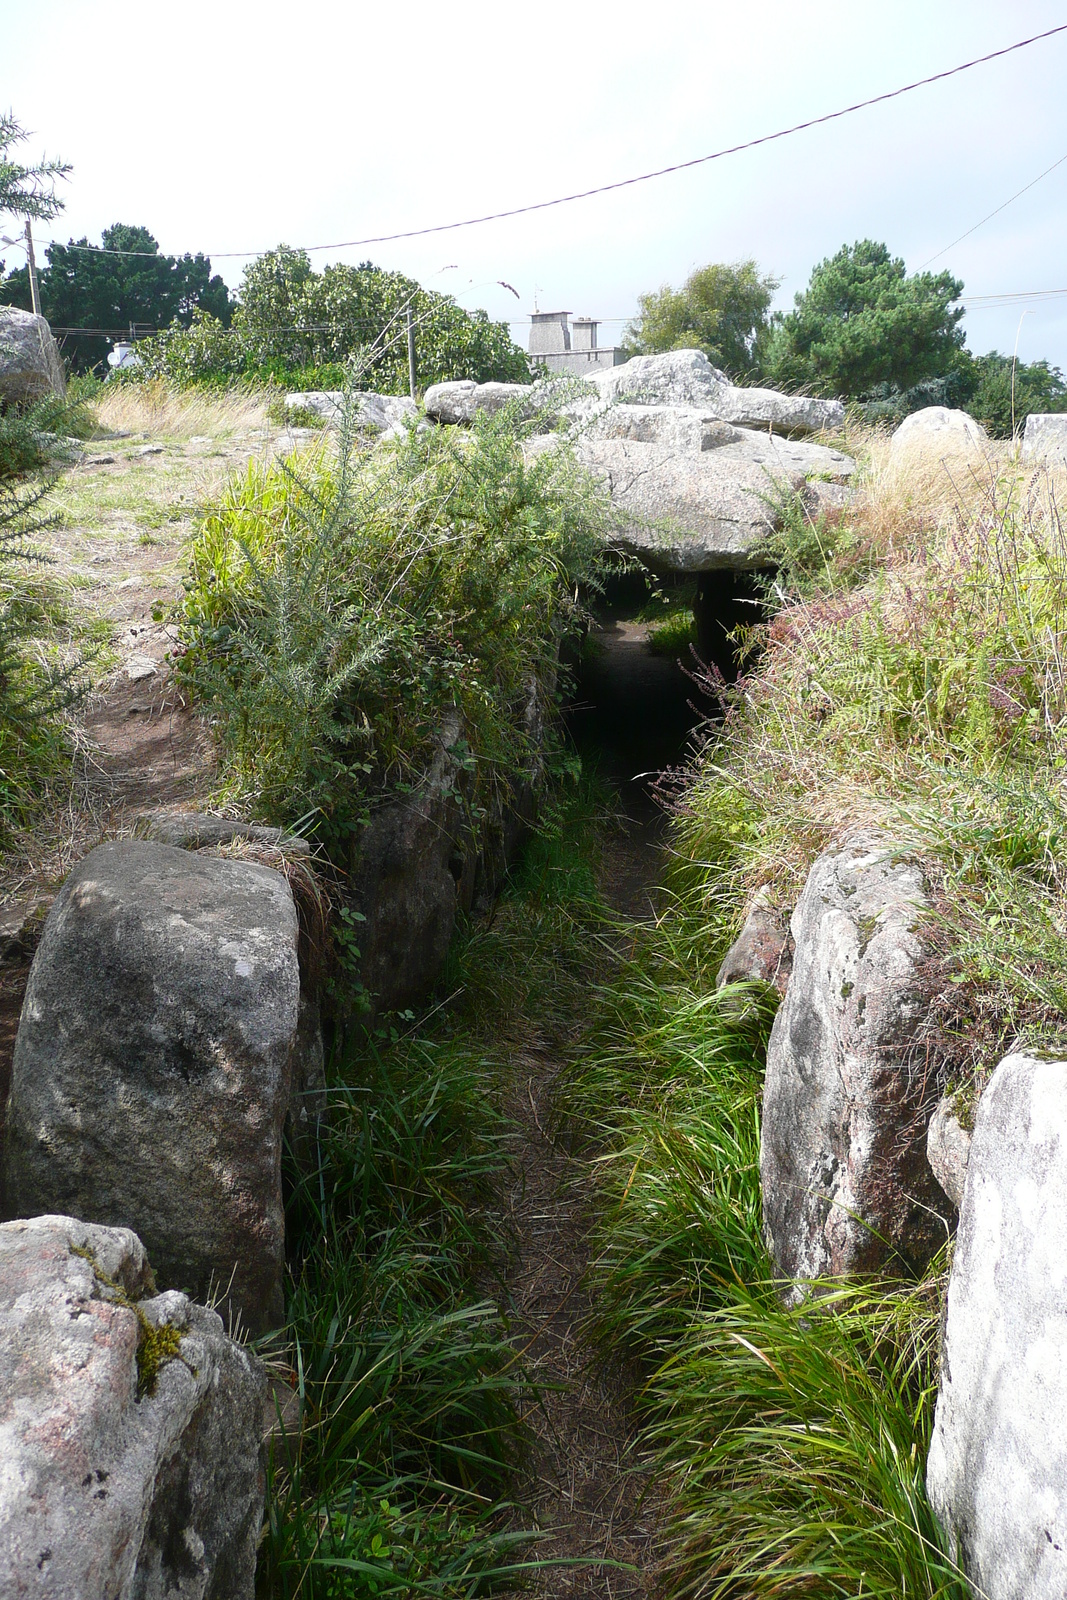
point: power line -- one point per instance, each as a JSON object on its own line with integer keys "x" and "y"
{"x": 643, "y": 177}
{"x": 995, "y": 213}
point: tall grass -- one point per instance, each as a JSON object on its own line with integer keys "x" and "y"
{"x": 158, "y": 408}
{"x": 396, "y": 1345}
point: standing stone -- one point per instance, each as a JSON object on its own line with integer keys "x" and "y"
{"x": 30, "y": 368}
{"x": 848, "y": 1095}
{"x": 938, "y": 428}
{"x": 153, "y": 1065}
{"x": 997, "y": 1470}
{"x": 1045, "y": 437}
{"x": 120, "y": 1475}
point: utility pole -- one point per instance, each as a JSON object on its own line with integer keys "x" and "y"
{"x": 411, "y": 354}
{"x": 35, "y": 293}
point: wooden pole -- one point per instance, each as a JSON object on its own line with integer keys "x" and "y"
{"x": 411, "y": 354}
{"x": 35, "y": 293}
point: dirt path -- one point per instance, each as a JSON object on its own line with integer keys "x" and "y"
{"x": 585, "y": 1484}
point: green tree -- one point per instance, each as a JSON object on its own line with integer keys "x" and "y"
{"x": 27, "y": 191}
{"x": 863, "y": 324}
{"x": 720, "y": 309}
{"x": 291, "y": 320}
{"x": 94, "y": 286}
{"x": 1002, "y": 406}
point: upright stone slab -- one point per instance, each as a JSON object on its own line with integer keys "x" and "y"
{"x": 153, "y": 1065}
{"x": 997, "y": 1471}
{"x": 847, "y": 1099}
{"x": 1045, "y": 437}
{"x": 938, "y": 428}
{"x": 122, "y": 1473}
{"x": 30, "y": 368}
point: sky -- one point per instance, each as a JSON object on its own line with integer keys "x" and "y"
{"x": 233, "y": 127}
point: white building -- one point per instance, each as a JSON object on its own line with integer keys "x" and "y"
{"x": 558, "y": 345}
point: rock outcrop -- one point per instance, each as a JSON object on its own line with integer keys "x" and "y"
{"x": 30, "y": 367}
{"x": 997, "y": 1470}
{"x": 384, "y": 414}
{"x": 459, "y": 400}
{"x": 131, "y": 1460}
{"x": 938, "y": 428}
{"x": 154, "y": 1064}
{"x": 198, "y": 830}
{"x": 847, "y": 1098}
{"x": 948, "y": 1149}
{"x": 1045, "y": 437}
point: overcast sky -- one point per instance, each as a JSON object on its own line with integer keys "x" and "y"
{"x": 231, "y": 127}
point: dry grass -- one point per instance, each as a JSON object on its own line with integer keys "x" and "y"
{"x": 158, "y": 409}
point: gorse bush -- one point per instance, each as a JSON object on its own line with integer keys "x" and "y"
{"x": 39, "y": 679}
{"x": 343, "y": 609}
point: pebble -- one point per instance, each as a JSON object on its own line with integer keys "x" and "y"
{"x": 149, "y": 450}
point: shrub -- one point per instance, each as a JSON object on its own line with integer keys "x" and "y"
{"x": 305, "y": 330}
{"x": 339, "y": 610}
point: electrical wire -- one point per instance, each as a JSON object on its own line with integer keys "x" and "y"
{"x": 993, "y": 214}
{"x": 643, "y": 177}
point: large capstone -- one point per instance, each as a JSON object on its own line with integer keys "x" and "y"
{"x": 131, "y": 1458}
{"x": 849, "y": 1089}
{"x": 706, "y": 508}
{"x": 154, "y": 1062}
{"x": 30, "y": 367}
{"x": 459, "y": 399}
{"x": 997, "y": 1470}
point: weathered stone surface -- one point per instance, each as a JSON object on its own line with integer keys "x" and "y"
{"x": 104, "y": 1492}
{"x": 685, "y": 429}
{"x": 709, "y": 510}
{"x": 457, "y": 401}
{"x": 153, "y": 1069}
{"x": 937, "y": 428}
{"x": 948, "y": 1149}
{"x": 687, "y": 378}
{"x": 997, "y": 1470}
{"x": 377, "y": 413}
{"x": 847, "y": 1098}
{"x": 195, "y": 830}
{"x": 30, "y": 367}
{"x": 1045, "y": 436}
{"x": 762, "y": 951}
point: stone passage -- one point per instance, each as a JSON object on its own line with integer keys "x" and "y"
{"x": 154, "y": 1064}
{"x": 131, "y": 1457}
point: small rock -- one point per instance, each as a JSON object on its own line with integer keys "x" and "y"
{"x": 98, "y": 461}
{"x": 113, "y": 1484}
{"x": 762, "y": 951}
{"x": 129, "y": 583}
{"x": 140, "y": 667}
{"x": 997, "y": 1469}
{"x": 948, "y": 1149}
{"x": 195, "y": 830}
{"x": 149, "y": 450}
{"x": 200, "y": 438}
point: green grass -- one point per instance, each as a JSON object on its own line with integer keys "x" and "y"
{"x": 396, "y": 1340}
